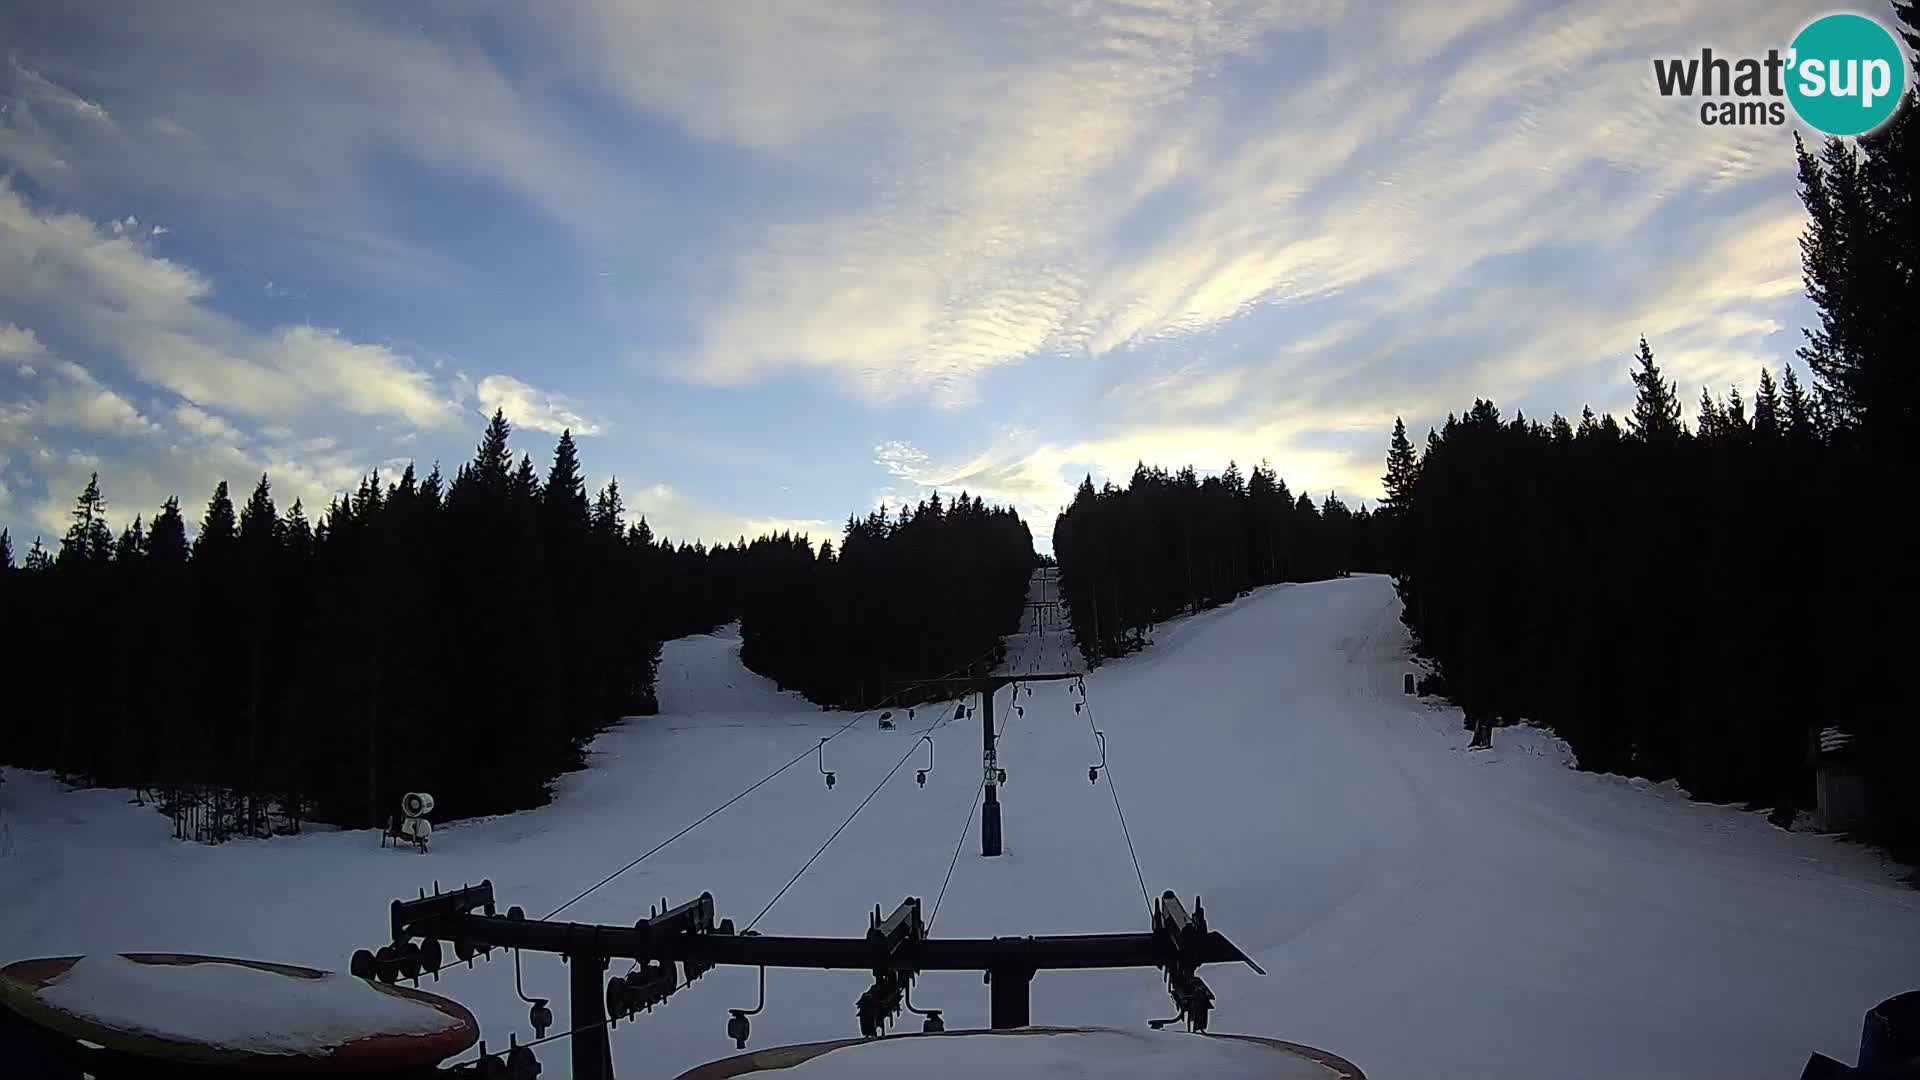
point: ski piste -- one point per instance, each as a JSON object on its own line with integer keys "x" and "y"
{"x": 1409, "y": 900}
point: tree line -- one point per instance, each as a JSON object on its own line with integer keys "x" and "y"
{"x": 465, "y": 637}
{"x": 919, "y": 595}
{"x": 1169, "y": 544}
{"x": 1695, "y": 601}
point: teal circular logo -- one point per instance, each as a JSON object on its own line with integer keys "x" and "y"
{"x": 1845, "y": 74}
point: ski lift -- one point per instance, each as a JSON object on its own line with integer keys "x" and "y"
{"x": 932, "y": 1024}
{"x": 539, "y": 1015}
{"x": 886, "y": 720}
{"x": 1093, "y": 771}
{"x": 820, "y": 760}
{"x": 738, "y": 1026}
{"x": 640, "y": 990}
{"x": 921, "y": 775}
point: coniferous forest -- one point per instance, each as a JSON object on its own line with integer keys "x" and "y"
{"x": 916, "y": 596}
{"x": 1696, "y": 601}
{"x": 1690, "y": 601}
{"x": 1171, "y": 544}
{"x": 464, "y": 637}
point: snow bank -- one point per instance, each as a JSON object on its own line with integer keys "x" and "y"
{"x": 235, "y": 1007}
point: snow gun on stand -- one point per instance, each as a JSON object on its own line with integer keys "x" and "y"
{"x": 411, "y": 826}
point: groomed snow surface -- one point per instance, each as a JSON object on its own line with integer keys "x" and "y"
{"x": 1423, "y": 911}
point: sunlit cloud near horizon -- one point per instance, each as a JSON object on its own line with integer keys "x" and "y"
{"x": 772, "y": 265}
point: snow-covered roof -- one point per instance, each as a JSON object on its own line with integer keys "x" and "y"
{"x": 232, "y": 1006}
{"x": 1110, "y": 1054}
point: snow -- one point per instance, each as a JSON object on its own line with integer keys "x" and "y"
{"x": 221, "y": 1005}
{"x": 1111, "y": 1055}
{"x": 1421, "y": 910}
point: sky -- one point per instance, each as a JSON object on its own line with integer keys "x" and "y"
{"x": 773, "y": 263}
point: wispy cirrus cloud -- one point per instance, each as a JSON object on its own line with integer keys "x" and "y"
{"x": 1111, "y": 230}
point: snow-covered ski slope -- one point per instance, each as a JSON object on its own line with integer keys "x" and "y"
{"x": 1422, "y": 911}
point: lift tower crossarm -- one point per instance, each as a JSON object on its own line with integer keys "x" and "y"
{"x": 987, "y": 686}
{"x": 895, "y": 949}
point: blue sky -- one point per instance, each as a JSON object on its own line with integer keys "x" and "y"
{"x": 774, "y": 263}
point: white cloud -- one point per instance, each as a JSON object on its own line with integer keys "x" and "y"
{"x": 35, "y": 87}
{"x": 370, "y": 380}
{"x": 78, "y": 401}
{"x": 1003, "y": 226}
{"x": 68, "y": 396}
{"x": 531, "y": 407}
{"x": 18, "y": 344}
{"x": 672, "y": 514}
{"x": 197, "y": 421}
{"x": 291, "y": 151}
{"x": 106, "y": 289}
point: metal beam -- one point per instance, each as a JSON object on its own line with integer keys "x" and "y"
{"x": 1047, "y": 953}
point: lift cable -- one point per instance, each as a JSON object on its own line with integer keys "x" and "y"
{"x": 965, "y": 828}
{"x": 709, "y": 815}
{"x": 1114, "y": 790}
{"x": 911, "y": 748}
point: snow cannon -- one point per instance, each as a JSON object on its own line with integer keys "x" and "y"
{"x": 412, "y": 826}
{"x": 179, "y": 1015}
{"x": 1038, "y": 1051}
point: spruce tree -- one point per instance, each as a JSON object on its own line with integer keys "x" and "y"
{"x": 608, "y": 509}
{"x": 1401, "y": 464}
{"x": 133, "y": 543}
{"x": 485, "y": 478}
{"x": 1766, "y": 408}
{"x": 6, "y": 550}
{"x": 89, "y": 540}
{"x": 564, "y": 500}
{"x": 433, "y": 489}
{"x": 259, "y": 520}
{"x": 218, "y": 529}
{"x": 1711, "y": 423}
{"x": 525, "y": 483}
{"x": 1737, "y": 423}
{"x": 295, "y": 532}
{"x": 1656, "y": 408}
{"x": 167, "y": 540}
{"x": 1801, "y": 427}
{"x": 37, "y": 557}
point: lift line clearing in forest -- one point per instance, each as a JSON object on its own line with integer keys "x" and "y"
{"x": 987, "y": 686}
{"x": 895, "y": 949}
